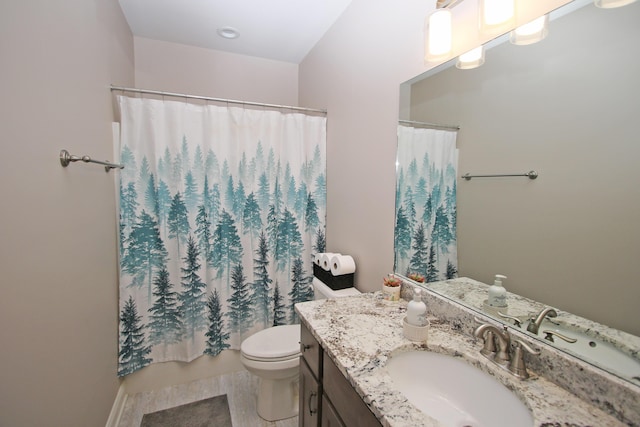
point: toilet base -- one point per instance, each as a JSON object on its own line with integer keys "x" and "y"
{"x": 278, "y": 399}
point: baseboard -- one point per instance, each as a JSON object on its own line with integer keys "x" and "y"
{"x": 117, "y": 408}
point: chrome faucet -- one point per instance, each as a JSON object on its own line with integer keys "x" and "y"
{"x": 489, "y": 333}
{"x": 534, "y": 324}
{"x": 501, "y": 356}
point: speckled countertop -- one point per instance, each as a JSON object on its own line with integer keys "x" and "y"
{"x": 361, "y": 333}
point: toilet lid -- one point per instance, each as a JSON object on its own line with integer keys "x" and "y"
{"x": 273, "y": 343}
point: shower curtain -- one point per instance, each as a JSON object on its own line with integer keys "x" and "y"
{"x": 220, "y": 210}
{"x": 425, "y": 227}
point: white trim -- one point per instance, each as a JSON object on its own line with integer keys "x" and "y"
{"x": 117, "y": 408}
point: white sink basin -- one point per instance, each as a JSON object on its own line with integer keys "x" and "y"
{"x": 593, "y": 350}
{"x": 454, "y": 392}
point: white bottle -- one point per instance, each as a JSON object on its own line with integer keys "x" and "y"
{"x": 497, "y": 293}
{"x": 417, "y": 310}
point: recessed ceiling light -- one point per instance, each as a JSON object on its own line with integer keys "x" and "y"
{"x": 228, "y": 33}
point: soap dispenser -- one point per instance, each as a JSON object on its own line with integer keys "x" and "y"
{"x": 497, "y": 293}
{"x": 417, "y": 310}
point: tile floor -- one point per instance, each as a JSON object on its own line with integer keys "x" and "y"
{"x": 240, "y": 388}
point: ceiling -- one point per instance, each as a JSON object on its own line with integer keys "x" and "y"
{"x": 282, "y": 30}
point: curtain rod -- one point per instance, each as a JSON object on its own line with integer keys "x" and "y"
{"x": 206, "y": 98}
{"x": 426, "y": 124}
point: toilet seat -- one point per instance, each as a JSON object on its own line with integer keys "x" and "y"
{"x": 278, "y": 343}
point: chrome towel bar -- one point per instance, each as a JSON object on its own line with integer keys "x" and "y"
{"x": 530, "y": 174}
{"x": 66, "y": 158}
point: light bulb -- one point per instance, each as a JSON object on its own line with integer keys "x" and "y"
{"x": 610, "y": 4}
{"x": 531, "y": 32}
{"x": 438, "y": 35}
{"x": 497, "y": 15}
{"x": 472, "y": 59}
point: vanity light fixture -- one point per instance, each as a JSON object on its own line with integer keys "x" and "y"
{"x": 438, "y": 35}
{"x": 531, "y": 32}
{"x": 496, "y": 16}
{"x": 472, "y": 59}
{"x": 610, "y": 4}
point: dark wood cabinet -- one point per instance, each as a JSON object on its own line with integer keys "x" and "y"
{"x": 327, "y": 399}
{"x": 311, "y": 351}
{"x": 310, "y": 397}
{"x": 330, "y": 417}
{"x": 347, "y": 402}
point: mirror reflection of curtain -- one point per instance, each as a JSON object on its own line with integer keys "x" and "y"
{"x": 425, "y": 228}
{"x": 220, "y": 210}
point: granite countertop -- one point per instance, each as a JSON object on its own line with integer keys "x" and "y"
{"x": 361, "y": 333}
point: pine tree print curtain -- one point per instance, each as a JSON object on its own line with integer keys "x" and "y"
{"x": 220, "y": 210}
{"x": 425, "y": 228}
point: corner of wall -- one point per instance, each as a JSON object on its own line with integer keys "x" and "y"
{"x": 118, "y": 407}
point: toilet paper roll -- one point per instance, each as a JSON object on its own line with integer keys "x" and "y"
{"x": 342, "y": 264}
{"x": 317, "y": 259}
{"x": 325, "y": 260}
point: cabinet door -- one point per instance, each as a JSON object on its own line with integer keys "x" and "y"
{"x": 329, "y": 416}
{"x": 310, "y": 392}
{"x": 346, "y": 401}
{"x": 311, "y": 351}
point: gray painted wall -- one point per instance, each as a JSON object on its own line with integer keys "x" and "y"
{"x": 355, "y": 72}
{"x": 58, "y": 303}
{"x": 179, "y": 68}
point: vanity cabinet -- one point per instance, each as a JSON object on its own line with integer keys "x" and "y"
{"x": 327, "y": 399}
{"x": 310, "y": 395}
{"x": 330, "y": 417}
{"x": 347, "y": 402}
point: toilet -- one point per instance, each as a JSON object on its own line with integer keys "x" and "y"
{"x": 273, "y": 355}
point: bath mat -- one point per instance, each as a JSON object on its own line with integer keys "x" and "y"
{"x": 212, "y": 412}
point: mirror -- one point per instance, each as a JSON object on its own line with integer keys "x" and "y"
{"x": 565, "y": 107}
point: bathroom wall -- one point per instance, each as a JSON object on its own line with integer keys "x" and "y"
{"x": 355, "y": 72}
{"x": 179, "y": 68}
{"x": 58, "y": 292}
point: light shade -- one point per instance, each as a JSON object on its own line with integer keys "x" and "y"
{"x": 532, "y": 32}
{"x": 472, "y": 59}
{"x": 497, "y": 15}
{"x": 610, "y": 4}
{"x": 438, "y": 35}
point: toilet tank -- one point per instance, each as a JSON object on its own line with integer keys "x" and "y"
{"x": 322, "y": 291}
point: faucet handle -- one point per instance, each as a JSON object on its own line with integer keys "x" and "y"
{"x": 527, "y": 347}
{"x": 549, "y": 336}
{"x": 516, "y": 322}
{"x": 517, "y": 366}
